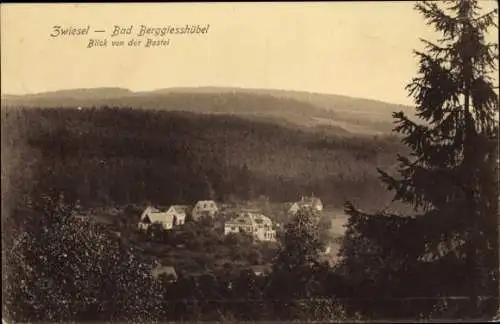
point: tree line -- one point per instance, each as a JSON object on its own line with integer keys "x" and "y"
{"x": 106, "y": 156}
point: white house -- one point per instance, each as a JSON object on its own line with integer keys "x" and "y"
{"x": 313, "y": 203}
{"x": 180, "y": 213}
{"x": 204, "y": 208}
{"x": 253, "y": 223}
{"x": 167, "y": 271}
{"x": 169, "y": 218}
{"x": 186, "y": 209}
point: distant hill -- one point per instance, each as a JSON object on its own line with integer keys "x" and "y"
{"x": 325, "y": 112}
{"x": 69, "y": 94}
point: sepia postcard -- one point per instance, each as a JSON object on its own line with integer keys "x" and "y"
{"x": 250, "y": 162}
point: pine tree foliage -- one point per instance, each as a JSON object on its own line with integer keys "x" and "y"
{"x": 450, "y": 176}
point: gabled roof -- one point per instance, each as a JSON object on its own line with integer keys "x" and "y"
{"x": 249, "y": 218}
{"x": 243, "y": 219}
{"x": 154, "y": 215}
{"x": 310, "y": 201}
{"x": 202, "y": 202}
{"x": 306, "y": 202}
{"x": 177, "y": 208}
{"x": 163, "y": 270}
{"x": 205, "y": 201}
{"x": 240, "y": 220}
{"x": 153, "y": 209}
{"x": 180, "y": 208}
{"x": 261, "y": 219}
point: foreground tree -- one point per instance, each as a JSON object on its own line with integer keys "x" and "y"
{"x": 60, "y": 268}
{"x": 449, "y": 247}
{"x": 299, "y": 256}
{"x": 299, "y": 273}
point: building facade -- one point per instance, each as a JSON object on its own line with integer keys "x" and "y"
{"x": 310, "y": 203}
{"x": 204, "y": 208}
{"x": 255, "y": 224}
{"x": 169, "y": 218}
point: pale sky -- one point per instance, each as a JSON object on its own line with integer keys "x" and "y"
{"x": 359, "y": 49}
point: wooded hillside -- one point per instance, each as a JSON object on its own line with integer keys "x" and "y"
{"x": 123, "y": 155}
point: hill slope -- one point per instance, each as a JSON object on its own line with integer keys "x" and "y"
{"x": 335, "y": 113}
{"x": 108, "y": 156}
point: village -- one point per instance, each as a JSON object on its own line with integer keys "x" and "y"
{"x": 259, "y": 220}
{"x": 248, "y": 220}
{"x": 231, "y": 219}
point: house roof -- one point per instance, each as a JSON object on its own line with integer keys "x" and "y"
{"x": 261, "y": 219}
{"x": 240, "y": 220}
{"x": 180, "y": 208}
{"x": 305, "y": 202}
{"x": 153, "y": 209}
{"x": 310, "y": 201}
{"x": 201, "y": 202}
{"x": 163, "y": 270}
{"x": 161, "y": 217}
{"x": 153, "y": 214}
{"x": 249, "y": 218}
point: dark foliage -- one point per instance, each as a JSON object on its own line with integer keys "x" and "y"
{"x": 442, "y": 259}
{"x": 60, "y": 268}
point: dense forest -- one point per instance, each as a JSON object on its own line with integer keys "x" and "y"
{"x": 118, "y": 156}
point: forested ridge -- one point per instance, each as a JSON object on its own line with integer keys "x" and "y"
{"x": 124, "y": 155}
{"x": 339, "y": 113}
